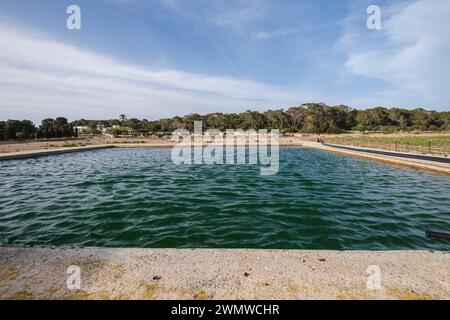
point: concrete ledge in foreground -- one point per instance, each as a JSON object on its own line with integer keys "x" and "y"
{"x": 40, "y": 273}
{"x": 41, "y": 153}
{"x": 438, "y": 167}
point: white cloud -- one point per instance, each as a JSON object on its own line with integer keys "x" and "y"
{"x": 41, "y": 77}
{"x": 411, "y": 54}
{"x": 278, "y": 33}
{"x": 239, "y": 15}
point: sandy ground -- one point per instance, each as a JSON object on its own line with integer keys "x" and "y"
{"x": 6, "y": 147}
{"x": 41, "y": 273}
{"x": 14, "y": 147}
{"x": 289, "y": 139}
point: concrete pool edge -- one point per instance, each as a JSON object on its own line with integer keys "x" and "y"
{"x": 106, "y": 273}
{"x": 49, "y": 152}
{"x": 436, "y": 167}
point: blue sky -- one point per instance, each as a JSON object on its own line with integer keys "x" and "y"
{"x": 160, "y": 58}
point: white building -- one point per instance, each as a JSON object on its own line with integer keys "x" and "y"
{"x": 80, "y": 129}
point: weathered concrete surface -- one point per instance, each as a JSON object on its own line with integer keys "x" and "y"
{"x": 41, "y": 153}
{"x": 40, "y": 273}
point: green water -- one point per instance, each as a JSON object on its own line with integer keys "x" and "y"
{"x": 138, "y": 198}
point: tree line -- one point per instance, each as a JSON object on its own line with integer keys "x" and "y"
{"x": 307, "y": 118}
{"x": 25, "y": 129}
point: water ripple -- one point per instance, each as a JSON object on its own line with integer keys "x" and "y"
{"x": 138, "y": 198}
